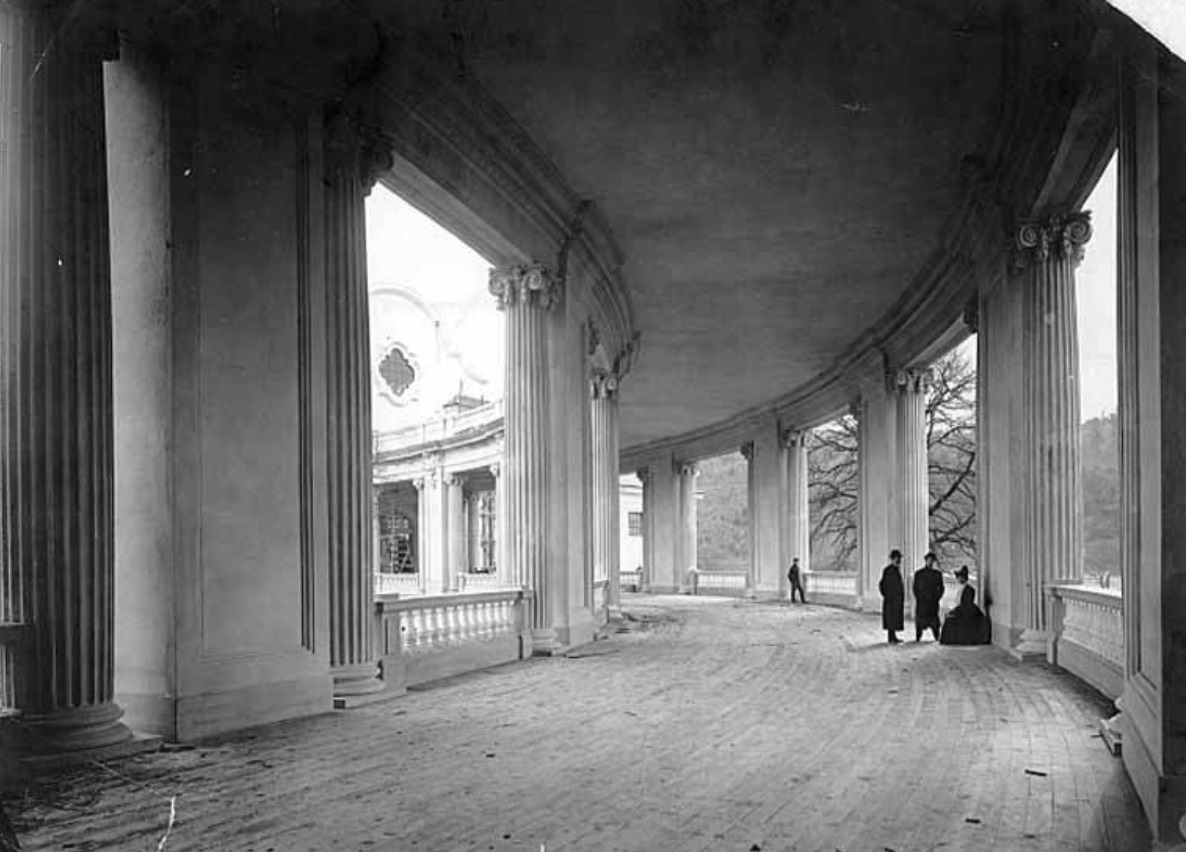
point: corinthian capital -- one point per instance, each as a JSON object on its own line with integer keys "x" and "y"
{"x": 792, "y": 438}
{"x": 913, "y": 380}
{"x": 533, "y": 284}
{"x": 1060, "y": 237}
{"x": 603, "y": 385}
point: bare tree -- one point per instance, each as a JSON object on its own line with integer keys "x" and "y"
{"x": 833, "y": 487}
{"x": 833, "y": 473}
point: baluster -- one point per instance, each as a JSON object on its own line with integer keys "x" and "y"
{"x": 410, "y": 619}
{"x": 488, "y": 626}
{"x": 424, "y": 627}
{"x": 458, "y": 625}
{"x": 463, "y": 622}
{"x": 431, "y": 626}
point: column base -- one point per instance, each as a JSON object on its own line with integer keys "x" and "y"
{"x": 1031, "y": 645}
{"x": 1110, "y": 732}
{"x": 356, "y": 684}
{"x": 72, "y": 730}
{"x": 545, "y": 642}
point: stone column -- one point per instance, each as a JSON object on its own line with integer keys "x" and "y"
{"x": 1047, "y": 254}
{"x": 751, "y": 496}
{"x": 686, "y": 543}
{"x": 352, "y": 157}
{"x": 500, "y": 527}
{"x": 603, "y": 388}
{"x": 614, "y": 532}
{"x": 56, "y": 441}
{"x": 798, "y": 538}
{"x": 525, "y": 294}
{"x": 423, "y": 532}
{"x": 876, "y": 420}
{"x": 1151, "y": 361}
{"x": 434, "y": 521}
{"x": 648, "y": 528}
{"x": 913, "y": 516}
{"x": 455, "y": 532}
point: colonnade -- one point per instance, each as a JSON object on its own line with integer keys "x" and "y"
{"x": 444, "y": 507}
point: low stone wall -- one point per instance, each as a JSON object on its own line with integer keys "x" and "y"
{"x": 430, "y": 637}
{"x": 1087, "y": 635}
{"x": 727, "y": 582}
{"x": 831, "y": 588}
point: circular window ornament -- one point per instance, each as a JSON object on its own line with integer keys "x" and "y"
{"x": 396, "y": 371}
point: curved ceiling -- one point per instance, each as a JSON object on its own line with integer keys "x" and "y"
{"x": 777, "y": 174}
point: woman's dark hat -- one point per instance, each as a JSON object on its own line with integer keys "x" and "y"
{"x": 962, "y": 572}
{"x": 895, "y": 554}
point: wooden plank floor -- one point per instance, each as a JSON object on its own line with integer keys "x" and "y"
{"x": 711, "y": 724}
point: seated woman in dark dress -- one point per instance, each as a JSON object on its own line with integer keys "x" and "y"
{"x": 966, "y": 624}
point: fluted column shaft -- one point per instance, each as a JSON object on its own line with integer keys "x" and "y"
{"x": 606, "y": 546}
{"x": 500, "y": 526}
{"x": 687, "y": 524}
{"x": 913, "y": 486}
{"x": 798, "y": 514}
{"x": 648, "y": 528}
{"x": 56, "y": 440}
{"x": 751, "y": 498}
{"x": 348, "y": 398}
{"x": 600, "y": 388}
{"x": 525, "y": 294}
{"x": 1048, "y": 253}
{"x": 614, "y": 509}
{"x": 455, "y": 532}
{"x": 423, "y": 532}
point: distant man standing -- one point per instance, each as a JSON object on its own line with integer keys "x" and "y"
{"x": 796, "y": 581}
{"x": 928, "y": 591}
{"x": 893, "y": 597}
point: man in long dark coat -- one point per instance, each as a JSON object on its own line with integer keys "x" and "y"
{"x": 893, "y": 597}
{"x": 928, "y": 591}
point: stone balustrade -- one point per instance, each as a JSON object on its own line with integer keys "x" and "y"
{"x": 429, "y": 637}
{"x": 481, "y": 582}
{"x": 1087, "y": 635}
{"x": 835, "y": 588}
{"x": 440, "y": 429}
{"x": 396, "y": 584}
{"x": 632, "y": 580}
{"x": 718, "y": 581}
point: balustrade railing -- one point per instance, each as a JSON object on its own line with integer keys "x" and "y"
{"x": 481, "y": 582}
{"x": 438, "y": 429}
{"x": 397, "y": 584}
{"x": 838, "y": 584}
{"x": 631, "y": 580}
{"x": 718, "y": 580}
{"x": 433, "y": 636}
{"x": 1087, "y": 635}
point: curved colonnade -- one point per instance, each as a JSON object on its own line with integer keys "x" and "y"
{"x": 241, "y": 454}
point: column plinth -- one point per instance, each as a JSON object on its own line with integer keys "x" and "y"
{"x": 351, "y": 159}
{"x": 56, "y": 402}
{"x": 1047, "y": 254}
{"x": 525, "y": 294}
